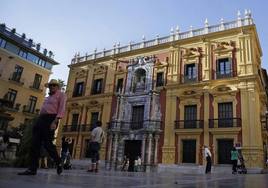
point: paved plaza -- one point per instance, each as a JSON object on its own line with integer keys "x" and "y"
{"x": 110, "y": 179}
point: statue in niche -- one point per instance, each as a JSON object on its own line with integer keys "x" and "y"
{"x": 139, "y": 80}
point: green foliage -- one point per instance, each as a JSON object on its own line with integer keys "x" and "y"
{"x": 23, "y": 152}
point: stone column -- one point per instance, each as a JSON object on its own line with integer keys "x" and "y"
{"x": 156, "y": 138}
{"x": 109, "y": 152}
{"x": 115, "y": 143}
{"x": 149, "y": 149}
{"x": 143, "y": 149}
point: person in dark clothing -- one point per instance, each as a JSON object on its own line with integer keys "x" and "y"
{"x": 234, "y": 158}
{"x": 51, "y": 112}
{"x": 64, "y": 148}
{"x": 208, "y": 158}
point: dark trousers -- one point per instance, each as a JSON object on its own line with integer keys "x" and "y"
{"x": 234, "y": 168}
{"x": 42, "y": 135}
{"x": 208, "y": 167}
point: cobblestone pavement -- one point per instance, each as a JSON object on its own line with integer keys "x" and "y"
{"x": 109, "y": 179}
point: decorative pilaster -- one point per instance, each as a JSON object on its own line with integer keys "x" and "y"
{"x": 149, "y": 149}
{"x": 156, "y": 138}
{"x": 143, "y": 149}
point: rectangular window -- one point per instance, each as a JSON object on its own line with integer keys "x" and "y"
{"x": 190, "y": 116}
{"x": 12, "y": 48}
{"x": 23, "y": 54}
{"x": 11, "y": 96}
{"x": 78, "y": 89}
{"x": 16, "y": 76}
{"x": 137, "y": 117}
{"x": 2, "y": 43}
{"x": 75, "y": 119}
{"x": 32, "y": 104}
{"x": 33, "y": 58}
{"x": 119, "y": 85}
{"x": 94, "y": 117}
{"x": 97, "y": 86}
{"x": 225, "y": 114}
{"x": 37, "y": 81}
{"x": 224, "y": 68}
{"x": 190, "y": 73}
{"x": 159, "y": 79}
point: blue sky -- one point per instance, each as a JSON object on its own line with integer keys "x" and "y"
{"x": 66, "y": 26}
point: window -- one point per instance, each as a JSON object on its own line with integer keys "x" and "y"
{"x": 97, "y": 86}
{"x": 190, "y": 73}
{"x": 17, "y": 73}
{"x": 224, "y": 68}
{"x": 2, "y": 43}
{"x": 159, "y": 79}
{"x": 119, "y": 85}
{"x": 190, "y": 116}
{"x": 79, "y": 89}
{"x": 32, "y": 104}
{"x": 225, "y": 114}
{"x": 75, "y": 119}
{"x": 23, "y": 54}
{"x": 137, "y": 117}
{"x": 33, "y": 58}
{"x": 37, "y": 81}
{"x": 94, "y": 118}
{"x": 11, "y": 96}
{"x": 12, "y": 48}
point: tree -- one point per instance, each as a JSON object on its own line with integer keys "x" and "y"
{"x": 62, "y": 84}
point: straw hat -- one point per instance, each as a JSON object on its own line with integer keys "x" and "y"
{"x": 52, "y": 81}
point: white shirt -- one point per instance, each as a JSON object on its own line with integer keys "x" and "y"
{"x": 97, "y": 135}
{"x": 139, "y": 161}
{"x": 207, "y": 152}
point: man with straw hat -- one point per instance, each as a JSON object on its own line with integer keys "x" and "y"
{"x": 51, "y": 112}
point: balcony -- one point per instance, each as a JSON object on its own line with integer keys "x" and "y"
{"x": 189, "y": 124}
{"x": 70, "y": 128}
{"x": 36, "y": 87}
{"x": 87, "y": 127}
{"x": 190, "y": 79}
{"x": 225, "y": 123}
{"x": 30, "y": 111}
{"x": 221, "y": 75}
{"x": 13, "y": 108}
{"x": 16, "y": 78}
{"x": 152, "y": 125}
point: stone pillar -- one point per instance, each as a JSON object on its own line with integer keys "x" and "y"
{"x": 143, "y": 149}
{"x": 156, "y": 138}
{"x": 109, "y": 152}
{"x": 149, "y": 149}
{"x": 206, "y": 123}
{"x": 252, "y": 144}
{"x": 115, "y": 143}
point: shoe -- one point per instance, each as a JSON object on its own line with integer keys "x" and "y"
{"x": 27, "y": 173}
{"x": 91, "y": 170}
{"x": 59, "y": 169}
{"x": 96, "y": 170}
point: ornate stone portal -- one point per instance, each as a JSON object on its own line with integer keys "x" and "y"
{"x": 136, "y": 125}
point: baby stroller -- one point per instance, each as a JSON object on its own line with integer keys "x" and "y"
{"x": 241, "y": 168}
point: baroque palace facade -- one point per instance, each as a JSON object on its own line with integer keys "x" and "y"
{"x": 24, "y": 69}
{"x": 164, "y": 99}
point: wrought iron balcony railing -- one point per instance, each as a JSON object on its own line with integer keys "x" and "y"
{"x": 190, "y": 79}
{"x": 189, "y": 124}
{"x": 123, "y": 125}
{"x": 264, "y": 125}
{"x": 70, "y": 128}
{"x": 227, "y": 74}
{"x": 224, "y": 122}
